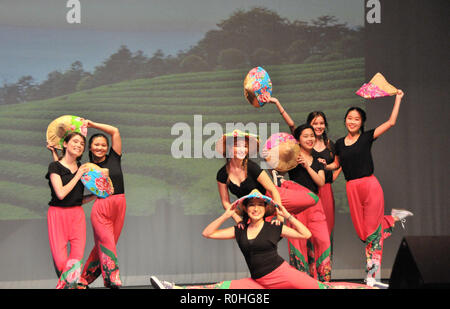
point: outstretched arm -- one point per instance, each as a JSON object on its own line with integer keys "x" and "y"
{"x": 383, "y": 128}
{"x": 282, "y": 111}
{"x": 116, "y": 140}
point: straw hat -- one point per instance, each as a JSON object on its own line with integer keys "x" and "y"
{"x": 59, "y": 128}
{"x": 97, "y": 181}
{"x": 281, "y": 151}
{"x": 376, "y": 88}
{"x": 269, "y": 203}
{"x": 228, "y": 139}
{"x": 256, "y": 84}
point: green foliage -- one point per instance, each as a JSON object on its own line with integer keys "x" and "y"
{"x": 145, "y": 110}
{"x": 256, "y": 37}
{"x": 263, "y": 56}
{"x": 231, "y": 58}
{"x": 193, "y": 63}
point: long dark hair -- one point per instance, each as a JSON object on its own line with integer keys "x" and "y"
{"x": 68, "y": 138}
{"x": 361, "y": 113}
{"x": 91, "y": 156}
{"x": 314, "y": 115}
{"x": 298, "y": 131}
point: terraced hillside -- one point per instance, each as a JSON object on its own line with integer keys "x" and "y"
{"x": 145, "y": 111}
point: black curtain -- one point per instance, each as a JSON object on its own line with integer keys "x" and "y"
{"x": 410, "y": 48}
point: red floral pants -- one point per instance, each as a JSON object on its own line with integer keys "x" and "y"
{"x": 67, "y": 225}
{"x": 107, "y": 218}
{"x": 312, "y": 255}
{"x": 366, "y": 203}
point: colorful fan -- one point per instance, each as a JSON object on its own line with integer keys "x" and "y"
{"x": 97, "y": 181}
{"x": 377, "y": 87}
{"x": 257, "y": 83}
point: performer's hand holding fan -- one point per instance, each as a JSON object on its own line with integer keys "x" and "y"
{"x": 257, "y": 85}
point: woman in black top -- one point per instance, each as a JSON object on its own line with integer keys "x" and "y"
{"x": 310, "y": 174}
{"x": 258, "y": 242}
{"x": 65, "y": 217}
{"x": 108, "y": 214}
{"x": 240, "y": 175}
{"x": 364, "y": 193}
{"x": 324, "y": 150}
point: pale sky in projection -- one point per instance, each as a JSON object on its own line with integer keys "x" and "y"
{"x": 171, "y": 15}
{"x": 36, "y": 38}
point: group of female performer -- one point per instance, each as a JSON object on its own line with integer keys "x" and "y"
{"x": 305, "y": 201}
{"x": 352, "y": 155}
{"x": 301, "y": 209}
{"x": 66, "y": 218}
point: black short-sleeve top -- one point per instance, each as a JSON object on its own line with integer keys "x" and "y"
{"x": 261, "y": 253}
{"x": 75, "y": 197}
{"x": 246, "y": 186}
{"x": 113, "y": 163}
{"x": 356, "y": 159}
{"x": 301, "y": 176}
{"x": 327, "y": 154}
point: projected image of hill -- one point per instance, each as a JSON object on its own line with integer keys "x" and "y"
{"x": 145, "y": 110}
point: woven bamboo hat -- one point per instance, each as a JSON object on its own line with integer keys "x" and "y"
{"x": 59, "y": 128}
{"x": 281, "y": 151}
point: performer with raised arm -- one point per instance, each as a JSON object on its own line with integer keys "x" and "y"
{"x": 364, "y": 192}
{"x": 108, "y": 214}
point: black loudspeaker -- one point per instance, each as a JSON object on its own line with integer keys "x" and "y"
{"x": 422, "y": 262}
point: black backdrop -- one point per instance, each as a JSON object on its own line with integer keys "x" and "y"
{"x": 411, "y": 46}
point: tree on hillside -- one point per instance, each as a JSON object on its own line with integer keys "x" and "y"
{"x": 9, "y": 94}
{"x": 263, "y": 56}
{"x": 255, "y": 37}
{"x": 193, "y": 63}
{"x": 155, "y": 65}
{"x": 50, "y": 87}
{"x": 261, "y": 33}
{"x": 58, "y": 83}
{"x": 114, "y": 69}
{"x": 26, "y": 88}
{"x": 231, "y": 58}
{"x": 245, "y": 31}
{"x": 326, "y": 31}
